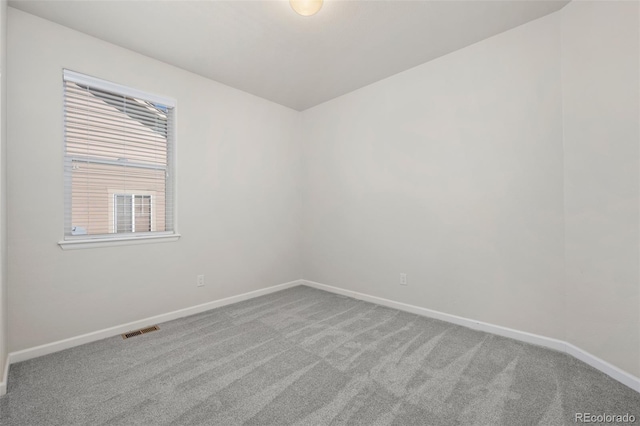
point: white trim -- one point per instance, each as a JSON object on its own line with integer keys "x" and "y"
{"x": 612, "y": 371}
{"x": 5, "y": 377}
{"x": 98, "y": 83}
{"x": 559, "y": 345}
{"x": 602, "y": 365}
{"x": 172, "y": 164}
{"x": 92, "y": 160}
{"x": 71, "y": 342}
{"x": 535, "y": 339}
{"x": 110, "y": 242}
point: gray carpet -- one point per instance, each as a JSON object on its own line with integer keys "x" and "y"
{"x": 307, "y": 357}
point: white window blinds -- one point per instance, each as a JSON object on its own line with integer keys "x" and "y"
{"x": 119, "y": 152}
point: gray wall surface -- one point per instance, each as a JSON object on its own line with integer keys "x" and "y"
{"x": 502, "y": 178}
{"x": 601, "y": 104}
{"x": 237, "y": 188}
{"x": 450, "y": 172}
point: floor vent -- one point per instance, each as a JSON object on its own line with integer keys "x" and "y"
{"x": 141, "y": 331}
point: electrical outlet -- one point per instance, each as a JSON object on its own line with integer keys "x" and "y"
{"x": 403, "y": 278}
{"x": 200, "y": 281}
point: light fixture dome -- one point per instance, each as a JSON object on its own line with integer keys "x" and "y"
{"x": 306, "y": 7}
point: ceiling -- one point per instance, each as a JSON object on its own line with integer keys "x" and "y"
{"x": 264, "y": 48}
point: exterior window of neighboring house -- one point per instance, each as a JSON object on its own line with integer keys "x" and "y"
{"x": 132, "y": 213}
{"x": 119, "y": 152}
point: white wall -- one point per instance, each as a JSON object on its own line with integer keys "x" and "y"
{"x": 238, "y": 194}
{"x": 452, "y": 173}
{"x": 601, "y": 97}
{"x": 3, "y": 199}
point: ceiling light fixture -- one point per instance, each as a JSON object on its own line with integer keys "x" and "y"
{"x": 306, "y": 7}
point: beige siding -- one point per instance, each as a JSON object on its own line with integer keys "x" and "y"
{"x": 92, "y": 199}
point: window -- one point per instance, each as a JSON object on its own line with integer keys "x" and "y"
{"x": 119, "y": 151}
{"x": 132, "y": 213}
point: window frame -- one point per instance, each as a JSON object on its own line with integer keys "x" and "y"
{"x": 103, "y": 240}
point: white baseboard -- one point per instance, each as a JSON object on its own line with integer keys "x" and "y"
{"x": 547, "y": 342}
{"x": 71, "y": 342}
{"x": 559, "y": 345}
{"x": 609, "y": 369}
{"x": 5, "y": 377}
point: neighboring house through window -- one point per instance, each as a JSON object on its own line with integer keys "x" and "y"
{"x": 118, "y": 160}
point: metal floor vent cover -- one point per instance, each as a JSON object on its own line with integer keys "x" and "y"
{"x": 141, "y": 331}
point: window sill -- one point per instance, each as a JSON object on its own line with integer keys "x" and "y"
{"x": 111, "y": 242}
